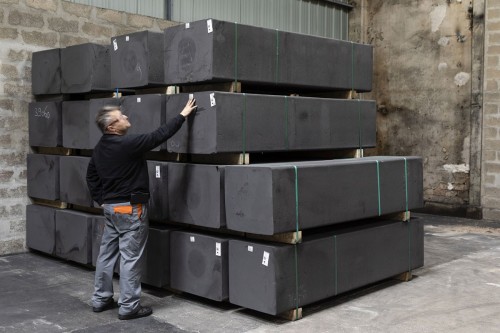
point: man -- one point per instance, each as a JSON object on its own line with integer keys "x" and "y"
{"x": 117, "y": 177}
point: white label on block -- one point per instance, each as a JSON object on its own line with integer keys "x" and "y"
{"x": 265, "y": 258}
{"x": 191, "y": 239}
{"x": 138, "y": 99}
{"x": 115, "y": 45}
{"x": 158, "y": 172}
{"x": 217, "y": 249}
{"x": 250, "y": 248}
{"x": 212, "y": 99}
{"x": 191, "y": 96}
{"x": 209, "y": 26}
{"x": 127, "y": 38}
{"x": 187, "y": 25}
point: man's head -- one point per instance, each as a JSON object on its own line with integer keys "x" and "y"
{"x": 110, "y": 120}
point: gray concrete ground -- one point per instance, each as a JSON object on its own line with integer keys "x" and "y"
{"x": 457, "y": 290}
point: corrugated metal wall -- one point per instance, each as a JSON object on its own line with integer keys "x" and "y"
{"x": 314, "y": 17}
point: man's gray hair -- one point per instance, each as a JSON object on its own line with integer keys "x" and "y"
{"x": 103, "y": 118}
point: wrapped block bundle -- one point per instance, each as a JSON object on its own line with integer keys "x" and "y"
{"x": 281, "y": 197}
{"x": 216, "y": 51}
{"x": 274, "y": 278}
{"x": 231, "y": 122}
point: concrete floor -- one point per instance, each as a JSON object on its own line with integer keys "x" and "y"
{"x": 458, "y": 290}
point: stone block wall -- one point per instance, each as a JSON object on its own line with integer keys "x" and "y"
{"x": 490, "y": 189}
{"x": 428, "y": 84}
{"x": 28, "y": 26}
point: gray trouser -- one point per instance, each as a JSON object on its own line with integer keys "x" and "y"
{"x": 125, "y": 235}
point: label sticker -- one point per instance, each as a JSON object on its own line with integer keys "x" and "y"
{"x": 212, "y": 99}
{"x": 126, "y": 38}
{"x": 191, "y": 96}
{"x": 138, "y": 99}
{"x": 158, "y": 172}
{"x": 115, "y": 45}
{"x": 217, "y": 249}
{"x": 209, "y": 26}
{"x": 250, "y": 248}
{"x": 191, "y": 239}
{"x": 265, "y": 258}
{"x": 187, "y": 25}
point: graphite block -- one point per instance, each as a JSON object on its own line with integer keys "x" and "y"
{"x": 231, "y": 122}
{"x": 43, "y": 176}
{"x": 145, "y": 112}
{"x": 280, "y": 197}
{"x": 137, "y": 60}
{"x": 199, "y": 264}
{"x": 274, "y": 278}
{"x": 45, "y": 124}
{"x": 78, "y": 122}
{"x": 212, "y": 50}
{"x": 196, "y": 194}
{"x": 73, "y": 182}
{"x": 156, "y": 257}
{"x": 85, "y": 68}
{"x": 46, "y": 72}
{"x": 41, "y": 228}
{"x": 74, "y": 236}
{"x": 158, "y": 190}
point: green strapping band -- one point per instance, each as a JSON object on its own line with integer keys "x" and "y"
{"x": 352, "y": 66}
{"x": 296, "y": 283}
{"x": 277, "y": 57}
{"x": 378, "y": 188}
{"x": 360, "y": 125}
{"x": 336, "y": 264}
{"x": 287, "y": 144}
{"x": 244, "y": 128}
{"x": 295, "y": 245}
{"x": 408, "y": 221}
{"x": 235, "y": 52}
{"x": 406, "y": 183}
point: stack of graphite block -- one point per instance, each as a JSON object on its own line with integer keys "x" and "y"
{"x": 244, "y": 206}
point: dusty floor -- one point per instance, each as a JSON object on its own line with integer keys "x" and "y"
{"x": 457, "y": 290}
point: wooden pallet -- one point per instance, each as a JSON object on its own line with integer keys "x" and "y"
{"x": 50, "y": 203}
{"x": 291, "y": 315}
{"x": 53, "y": 151}
{"x": 405, "y": 277}
{"x": 292, "y": 237}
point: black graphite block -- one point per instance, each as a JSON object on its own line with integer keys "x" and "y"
{"x": 158, "y": 190}
{"x": 85, "y": 68}
{"x": 74, "y": 236}
{"x": 274, "y": 278}
{"x": 45, "y": 124}
{"x": 78, "y": 122}
{"x": 46, "y": 72}
{"x": 196, "y": 194}
{"x": 231, "y": 122}
{"x": 137, "y": 60}
{"x": 43, "y": 176}
{"x": 199, "y": 264}
{"x": 145, "y": 112}
{"x": 281, "y": 197}
{"x": 211, "y": 51}
{"x": 41, "y": 228}
{"x": 156, "y": 257}
{"x": 73, "y": 182}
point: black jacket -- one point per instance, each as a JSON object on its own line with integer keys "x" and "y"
{"x": 118, "y": 168}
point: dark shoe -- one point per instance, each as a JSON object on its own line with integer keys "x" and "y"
{"x": 143, "y": 311}
{"x": 110, "y": 304}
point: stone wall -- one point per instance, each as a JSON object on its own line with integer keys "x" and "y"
{"x": 27, "y": 26}
{"x": 427, "y": 84}
{"x": 490, "y": 191}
